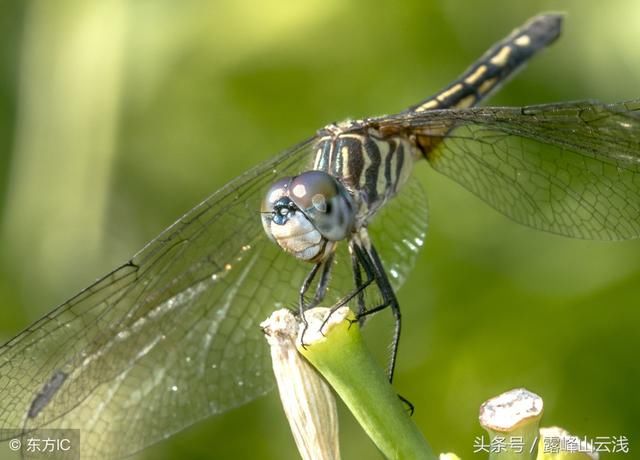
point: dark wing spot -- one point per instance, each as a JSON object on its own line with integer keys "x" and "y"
{"x": 47, "y": 393}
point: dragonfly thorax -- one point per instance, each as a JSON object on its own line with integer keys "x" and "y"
{"x": 307, "y": 214}
{"x": 372, "y": 166}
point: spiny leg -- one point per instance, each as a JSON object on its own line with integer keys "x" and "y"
{"x": 369, "y": 260}
{"x": 303, "y": 290}
{"x": 389, "y": 300}
{"x": 321, "y": 292}
{"x": 357, "y": 280}
{"x": 371, "y": 263}
{"x": 305, "y": 287}
{"x": 359, "y": 259}
{"x": 321, "y": 289}
{"x": 360, "y": 285}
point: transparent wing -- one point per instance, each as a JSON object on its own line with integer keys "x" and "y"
{"x": 571, "y": 169}
{"x": 399, "y": 229}
{"x": 168, "y": 338}
{"x": 172, "y": 336}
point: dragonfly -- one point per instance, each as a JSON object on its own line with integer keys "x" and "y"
{"x": 172, "y": 336}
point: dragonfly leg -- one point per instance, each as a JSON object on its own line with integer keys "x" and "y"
{"x": 303, "y": 290}
{"x": 306, "y": 284}
{"x": 358, "y": 291}
{"x": 357, "y": 280}
{"x": 359, "y": 283}
{"x": 370, "y": 261}
{"x": 321, "y": 290}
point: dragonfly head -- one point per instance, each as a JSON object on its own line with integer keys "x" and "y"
{"x": 307, "y": 214}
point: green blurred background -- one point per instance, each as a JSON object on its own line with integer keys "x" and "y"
{"x": 116, "y": 117}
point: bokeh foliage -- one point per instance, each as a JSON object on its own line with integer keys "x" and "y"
{"x": 116, "y": 117}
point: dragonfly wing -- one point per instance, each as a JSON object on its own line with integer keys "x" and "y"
{"x": 399, "y": 229}
{"x": 167, "y": 339}
{"x": 571, "y": 169}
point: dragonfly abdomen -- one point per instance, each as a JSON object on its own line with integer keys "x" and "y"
{"x": 496, "y": 65}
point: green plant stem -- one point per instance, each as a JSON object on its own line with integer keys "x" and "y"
{"x": 339, "y": 354}
{"x": 512, "y": 420}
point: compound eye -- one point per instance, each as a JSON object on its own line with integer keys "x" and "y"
{"x": 313, "y": 190}
{"x": 277, "y": 190}
{"x": 325, "y": 202}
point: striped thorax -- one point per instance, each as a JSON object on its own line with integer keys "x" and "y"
{"x": 355, "y": 171}
{"x": 371, "y": 166}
